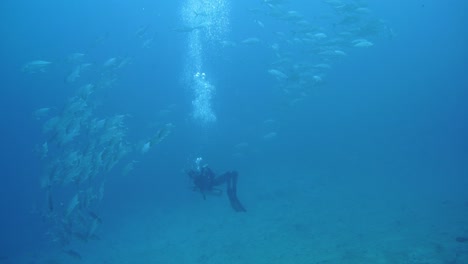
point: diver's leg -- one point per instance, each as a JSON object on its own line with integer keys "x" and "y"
{"x": 221, "y": 179}
{"x": 233, "y": 181}
{"x": 232, "y": 192}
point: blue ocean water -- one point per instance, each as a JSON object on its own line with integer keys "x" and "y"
{"x": 354, "y": 158}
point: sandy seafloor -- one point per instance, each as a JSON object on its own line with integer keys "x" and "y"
{"x": 294, "y": 220}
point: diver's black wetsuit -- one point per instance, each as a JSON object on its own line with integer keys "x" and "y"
{"x": 205, "y": 180}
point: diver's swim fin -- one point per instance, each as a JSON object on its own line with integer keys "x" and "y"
{"x": 235, "y": 204}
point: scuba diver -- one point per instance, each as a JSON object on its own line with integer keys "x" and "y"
{"x": 205, "y": 182}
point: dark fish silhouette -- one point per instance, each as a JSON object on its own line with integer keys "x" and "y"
{"x": 73, "y": 254}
